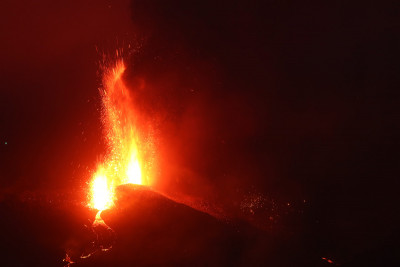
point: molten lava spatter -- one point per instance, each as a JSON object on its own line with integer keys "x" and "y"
{"x": 102, "y": 191}
{"x": 123, "y": 163}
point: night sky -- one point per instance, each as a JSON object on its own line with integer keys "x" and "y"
{"x": 291, "y": 105}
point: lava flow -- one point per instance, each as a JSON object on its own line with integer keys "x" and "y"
{"x": 123, "y": 163}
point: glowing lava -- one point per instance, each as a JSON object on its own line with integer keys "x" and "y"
{"x": 123, "y": 163}
{"x": 101, "y": 194}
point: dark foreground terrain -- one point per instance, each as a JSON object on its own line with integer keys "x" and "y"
{"x": 152, "y": 230}
{"x": 149, "y": 230}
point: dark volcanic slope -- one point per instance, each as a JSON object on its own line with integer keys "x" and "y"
{"x": 149, "y": 230}
{"x": 154, "y": 230}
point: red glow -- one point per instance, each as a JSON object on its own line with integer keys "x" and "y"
{"x": 123, "y": 164}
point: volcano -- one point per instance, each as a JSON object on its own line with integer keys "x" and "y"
{"x": 152, "y": 230}
{"x": 149, "y": 229}
{"x": 266, "y": 133}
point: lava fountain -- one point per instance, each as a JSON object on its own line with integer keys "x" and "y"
{"x": 123, "y": 163}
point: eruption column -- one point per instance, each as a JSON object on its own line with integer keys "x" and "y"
{"x": 122, "y": 164}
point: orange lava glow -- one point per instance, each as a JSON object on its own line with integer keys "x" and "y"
{"x": 328, "y": 260}
{"x": 123, "y": 163}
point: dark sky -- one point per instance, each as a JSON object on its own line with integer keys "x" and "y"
{"x": 272, "y": 99}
